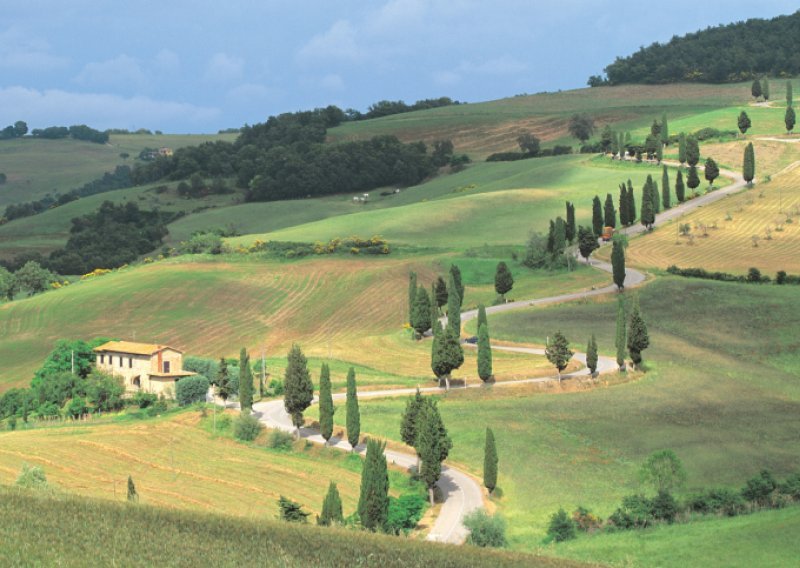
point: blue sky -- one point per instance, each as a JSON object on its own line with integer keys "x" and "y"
{"x": 199, "y": 66}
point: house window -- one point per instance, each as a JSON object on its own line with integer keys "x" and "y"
{"x": 166, "y": 366}
{"x": 102, "y": 359}
{"x": 120, "y": 361}
{"x": 130, "y": 362}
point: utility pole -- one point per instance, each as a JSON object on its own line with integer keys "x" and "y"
{"x": 72, "y": 355}
{"x": 263, "y": 371}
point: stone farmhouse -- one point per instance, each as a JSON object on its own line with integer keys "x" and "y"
{"x": 143, "y": 366}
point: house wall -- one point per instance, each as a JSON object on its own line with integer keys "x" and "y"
{"x": 132, "y": 366}
{"x": 174, "y": 358}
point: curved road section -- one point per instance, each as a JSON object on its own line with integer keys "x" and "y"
{"x": 462, "y": 493}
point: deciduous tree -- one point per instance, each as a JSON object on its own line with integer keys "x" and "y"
{"x": 558, "y": 352}
{"x": 692, "y": 179}
{"x": 581, "y": 126}
{"x": 298, "y": 390}
{"x": 664, "y": 471}
{"x": 353, "y": 414}
{"x": 529, "y": 143}
{"x": 692, "y": 151}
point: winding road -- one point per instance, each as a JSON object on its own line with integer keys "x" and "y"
{"x": 461, "y": 492}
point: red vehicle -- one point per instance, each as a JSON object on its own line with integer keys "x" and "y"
{"x": 608, "y": 232}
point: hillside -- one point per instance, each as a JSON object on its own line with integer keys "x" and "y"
{"x": 726, "y": 53}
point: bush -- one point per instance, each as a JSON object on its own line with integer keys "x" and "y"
{"x": 634, "y": 513}
{"x": 280, "y": 440}
{"x": 247, "y": 428}
{"x": 759, "y": 489}
{"x": 191, "y": 389}
{"x": 585, "y": 520}
{"x": 561, "y": 527}
{"x": 275, "y": 387}
{"x": 664, "y": 507}
{"x": 791, "y": 487}
{"x": 144, "y": 399}
{"x": 32, "y": 477}
{"x": 404, "y": 513}
{"x": 291, "y": 511}
{"x": 719, "y": 501}
{"x": 486, "y": 531}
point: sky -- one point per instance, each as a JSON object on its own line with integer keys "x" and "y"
{"x": 200, "y": 66}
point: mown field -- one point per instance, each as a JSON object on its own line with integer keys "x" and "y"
{"x": 112, "y": 534}
{"x": 757, "y": 228}
{"x": 721, "y": 391}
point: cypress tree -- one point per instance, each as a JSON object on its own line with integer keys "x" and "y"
{"x": 503, "y": 280}
{"x": 623, "y": 205}
{"x": 446, "y": 354}
{"x": 680, "y": 189}
{"x": 410, "y": 419}
{"x": 655, "y": 197}
{"x": 638, "y": 338}
{"x": 482, "y": 315}
{"x": 631, "y": 204}
{"x": 620, "y": 337}
{"x": 484, "y": 353}
{"x": 591, "y": 355}
{"x": 597, "y": 216}
{"x": 587, "y": 242}
{"x": 666, "y": 200}
{"x": 560, "y": 237}
{"x": 692, "y": 151}
{"x": 224, "y": 390}
{"x": 298, "y": 390}
{"x": 664, "y": 130}
{"x": 621, "y": 146}
{"x": 133, "y": 496}
{"x": 614, "y": 145}
{"x": 433, "y": 445}
{"x": 711, "y": 171}
{"x": 489, "y": 462}
{"x": 551, "y": 237}
{"x": 558, "y": 352}
{"x": 743, "y": 122}
{"x": 326, "y": 408}
{"x": 692, "y": 179}
{"x": 441, "y": 292}
{"x": 749, "y": 168}
{"x": 755, "y": 89}
{"x": 245, "y": 383}
{"x": 421, "y": 314}
{"x": 789, "y": 119}
{"x": 618, "y": 263}
{"x": 412, "y": 292}
{"x": 353, "y": 418}
{"x": 659, "y": 152}
{"x": 331, "y": 508}
{"x": 456, "y": 284}
{"x": 682, "y": 148}
{"x": 765, "y": 88}
{"x": 435, "y": 312}
{"x": 373, "y": 501}
{"x": 570, "y": 229}
{"x": 648, "y": 215}
{"x": 609, "y": 213}
{"x": 789, "y": 96}
{"x": 454, "y": 307}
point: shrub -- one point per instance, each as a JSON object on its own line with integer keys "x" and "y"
{"x": 191, "y": 389}
{"x": 144, "y": 399}
{"x": 275, "y": 387}
{"x": 719, "y": 500}
{"x": 561, "y": 527}
{"x": 292, "y": 512}
{"x": 247, "y": 428}
{"x": 635, "y": 512}
{"x": 759, "y": 489}
{"x": 486, "y": 531}
{"x": 404, "y": 513}
{"x": 585, "y": 520}
{"x": 280, "y": 440}
{"x": 664, "y": 507}
{"x": 32, "y": 477}
{"x": 791, "y": 487}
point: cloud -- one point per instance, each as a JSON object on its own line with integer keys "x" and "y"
{"x": 167, "y": 60}
{"x": 332, "y": 82}
{"x": 338, "y": 42}
{"x": 223, "y": 68}
{"x": 57, "y": 107}
{"x": 249, "y": 92}
{"x": 498, "y": 67}
{"x": 122, "y": 71}
{"x": 22, "y": 51}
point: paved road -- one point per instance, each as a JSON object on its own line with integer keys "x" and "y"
{"x": 462, "y": 493}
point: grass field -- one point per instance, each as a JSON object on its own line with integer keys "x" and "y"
{"x": 111, "y": 534}
{"x": 762, "y": 212}
{"x": 36, "y": 167}
{"x": 725, "y": 402}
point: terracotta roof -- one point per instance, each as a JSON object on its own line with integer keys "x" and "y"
{"x": 133, "y": 348}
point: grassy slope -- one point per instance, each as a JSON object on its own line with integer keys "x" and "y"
{"x": 722, "y": 392}
{"x": 119, "y": 535}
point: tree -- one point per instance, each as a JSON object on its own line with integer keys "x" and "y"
{"x": 620, "y": 337}
{"x": 373, "y": 501}
{"x": 609, "y": 213}
{"x": 446, "y": 354}
{"x": 587, "y": 242}
{"x": 680, "y": 188}
{"x": 692, "y": 179}
{"x": 765, "y": 88}
{"x": 558, "y": 352}
{"x": 133, "y": 496}
{"x": 20, "y": 128}
{"x": 559, "y": 237}
{"x": 711, "y": 171}
{"x": 623, "y": 205}
{"x": 489, "y": 461}
{"x": 664, "y": 471}
{"x": 618, "y": 263}
{"x": 353, "y": 414}
{"x": 8, "y": 284}
{"x": 561, "y": 526}
{"x": 298, "y": 390}
{"x": 744, "y": 122}
{"x": 33, "y": 278}
{"x": 223, "y": 381}
{"x": 529, "y": 144}
{"x": 666, "y": 200}
{"x": 291, "y": 511}
{"x": 326, "y": 408}
{"x": 454, "y": 306}
{"x": 421, "y": 312}
{"x": 410, "y": 419}
{"x": 655, "y": 198}
{"x": 484, "y": 353}
{"x": 412, "y": 292}
{"x": 245, "y": 383}
{"x": 789, "y": 96}
{"x": 482, "y": 315}
{"x": 755, "y": 89}
{"x": 631, "y": 204}
{"x": 607, "y": 138}
{"x": 503, "y": 280}
{"x": 749, "y": 167}
{"x": 692, "y": 151}
{"x": 664, "y": 130}
{"x": 591, "y": 355}
{"x": 191, "y": 389}
{"x": 456, "y": 284}
{"x": 597, "y": 216}
{"x": 570, "y": 229}
{"x": 581, "y": 126}
{"x": 682, "y": 148}
{"x": 331, "y": 508}
{"x": 638, "y": 339}
{"x": 789, "y": 119}
{"x": 441, "y": 292}
{"x": 648, "y": 214}
{"x": 433, "y": 445}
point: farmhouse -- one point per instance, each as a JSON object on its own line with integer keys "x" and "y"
{"x": 142, "y": 366}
